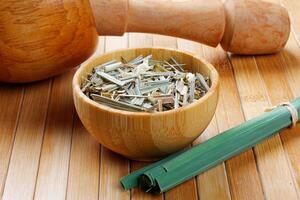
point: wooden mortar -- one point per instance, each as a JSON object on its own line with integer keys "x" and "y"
{"x": 40, "y": 39}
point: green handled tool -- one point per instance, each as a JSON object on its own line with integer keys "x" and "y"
{"x": 179, "y": 167}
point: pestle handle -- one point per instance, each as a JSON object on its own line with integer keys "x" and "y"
{"x": 197, "y": 20}
{"x": 241, "y": 26}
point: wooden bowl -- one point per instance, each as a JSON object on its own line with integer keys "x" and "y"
{"x": 147, "y": 136}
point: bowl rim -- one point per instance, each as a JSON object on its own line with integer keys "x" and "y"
{"x": 211, "y": 91}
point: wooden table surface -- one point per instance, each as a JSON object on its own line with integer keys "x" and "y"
{"x": 45, "y": 153}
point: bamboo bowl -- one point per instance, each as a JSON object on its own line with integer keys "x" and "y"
{"x": 146, "y": 136}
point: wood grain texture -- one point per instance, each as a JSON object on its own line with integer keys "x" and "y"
{"x": 291, "y": 69}
{"x": 241, "y": 170}
{"x": 278, "y": 91}
{"x": 84, "y": 170}
{"x": 11, "y": 98}
{"x": 243, "y": 27}
{"x": 39, "y": 39}
{"x": 291, "y": 53}
{"x": 147, "y": 136}
{"x": 100, "y": 48}
{"x": 271, "y": 158}
{"x": 55, "y": 154}
{"x": 292, "y": 76}
{"x": 25, "y": 156}
{"x": 286, "y": 74}
{"x": 204, "y": 24}
{"x": 243, "y": 177}
{"x": 110, "y": 16}
{"x": 255, "y": 27}
{"x": 113, "y": 166}
{"x": 188, "y": 189}
{"x": 141, "y": 40}
{"x": 164, "y": 41}
{"x": 212, "y": 184}
{"x": 293, "y": 7}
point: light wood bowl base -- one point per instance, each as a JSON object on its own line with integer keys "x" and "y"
{"x": 147, "y": 136}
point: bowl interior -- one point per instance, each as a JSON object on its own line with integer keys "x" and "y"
{"x": 192, "y": 63}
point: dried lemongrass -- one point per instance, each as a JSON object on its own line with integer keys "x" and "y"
{"x": 144, "y": 85}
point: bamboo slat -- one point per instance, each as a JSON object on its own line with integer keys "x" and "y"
{"x": 290, "y": 73}
{"x": 141, "y": 40}
{"x": 55, "y": 155}
{"x": 291, "y": 53}
{"x": 164, "y": 41}
{"x": 291, "y": 58}
{"x": 85, "y": 158}
{"x": 278, "y": 91}
{"x": 293, "y": 7}
{"x": 25, "y": 156}
{"x": 188, "y": 189}
{"x": 113, "y": 166}
{"x": 114, "y": 43}
{"x": 11, "y": 99}
{"x": 84, "y": 170}
{"x": 212, "y": 184}
{"x": 271, "y": 159}
{"x": 275, "y": 71}
{"x": 83, "y": 181}
{"x": 241, "y": 170}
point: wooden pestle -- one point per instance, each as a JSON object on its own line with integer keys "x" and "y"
{"x": 241, "y": 26}
{"x": 40, "y": 39}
